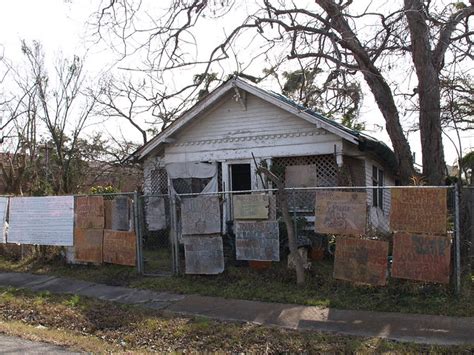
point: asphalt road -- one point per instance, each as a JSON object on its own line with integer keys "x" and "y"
{"x": 15, "y": 345}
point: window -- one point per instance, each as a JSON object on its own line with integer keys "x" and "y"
{"x": 377, "y": 180}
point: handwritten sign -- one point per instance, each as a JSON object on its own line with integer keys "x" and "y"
{"x": 200, "y": 215}
{"x": 155, "y": 213}
{"x": 88, "y": 245}
{"x": 341, "y": 212}
{"x": 120, "y": 247}
{"x": 361, "y": 261}
{"x": 204, "y": 254}
{"x": 42, "y": 220}
{"x": 3, "y": 218}
{"x": 301, "y": 176}
{"x": 421, "y": 211}
{"x": 89, "y": 212}
{"x": 258, "y": 241}
{"x": 421, "y": 257}
{"x": 120, "y": 213}
{"x": 253, "y": 206}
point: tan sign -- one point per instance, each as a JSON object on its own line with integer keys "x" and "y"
{"x": 89, "y": 212}
{"x": 120, "y": 247}
{"x": 251, "y": 206}
{"x": 421, "y": 211}
{"x": 301, "y": 176}
{"x": 341, "y": 212}
{"x": 361, "y": 261}
{"x": 421, "y": 257}
{"x": 200, "y": 215}
{"x": 88, "y": 245}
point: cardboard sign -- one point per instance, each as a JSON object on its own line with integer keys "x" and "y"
{"x": 45, "y": 220}
{"x": 89, "y": 212}
{"x": 88, "y": 245}
{"x": 156, "y": 213}
{"x": 250, "y": 206}
{"x": 108, "y": 214}
{"x": 3, "y": 218}
{"x": 200, "y": 215}
{"x": 204, "y": 254}
{"x": 120, "y": 247}
{"x": 421, "y": 257}
{"x": 301, "y": 176}
{"x": 258, "y": 241}
{"x": 361, "y": 261}
{"x": 421, "y": 211}
{"x": 341, "y": 212}
{"x": 120, "y": 213}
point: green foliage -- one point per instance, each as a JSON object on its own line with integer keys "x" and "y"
{"x": 100, "y": 190}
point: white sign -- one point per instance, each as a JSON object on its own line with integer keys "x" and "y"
{"x": 42, "y": 220}
{"x": 3, "y": 217}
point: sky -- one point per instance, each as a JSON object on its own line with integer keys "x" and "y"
{"x": 60, "y": 25}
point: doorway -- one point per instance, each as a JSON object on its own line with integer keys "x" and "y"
{"x": 241, "y": 178}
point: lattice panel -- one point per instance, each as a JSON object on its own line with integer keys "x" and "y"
{"x": 327, "y": 170}
{"x": 159, "y": 181}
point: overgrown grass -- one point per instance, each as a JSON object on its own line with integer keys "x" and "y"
{"x": 278, "y": 284}
{"x": 98, "y": 326}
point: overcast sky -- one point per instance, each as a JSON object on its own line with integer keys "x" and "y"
{"x": 61, "y": 26}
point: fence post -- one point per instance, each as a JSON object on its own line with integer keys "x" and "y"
{"x": 138, "y": 231}
{"x": 295, "y": 227}
{"x": 174, "y": 233}
{"x": 457, "y": 240}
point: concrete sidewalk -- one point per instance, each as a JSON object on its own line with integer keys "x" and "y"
{"x": 427, "y": 329}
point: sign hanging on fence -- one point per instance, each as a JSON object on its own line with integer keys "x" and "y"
{"x": 301, "y": 176}
{"x": 3, "y": 217}
{"x": 259, "y": 241}
{"x": 204, "y": 254}
{"x": 421, "y": 210}
{"x": 42, "y": 220}
{"x": 89, "y": 212}
{"x": 155, "y": 213}
{"x": 253, "y": 206}
{"x": 120, "y": 213}
{"x": 361, "y": 261}
{"x": 200, "y": 215}
{"x": 341, "y": 212}
{"x": 120, "y": 247}
{"x": 421, "y": 257}
{"x": 88, "y": 245}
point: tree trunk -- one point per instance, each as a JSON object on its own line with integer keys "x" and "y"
{"x": 378, "y": 86}
{"x": 428, "y": 93}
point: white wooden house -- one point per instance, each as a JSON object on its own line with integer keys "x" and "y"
{"x": 216, "y": 139}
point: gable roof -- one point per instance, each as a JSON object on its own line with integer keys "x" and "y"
{"x": 362, "y": 140}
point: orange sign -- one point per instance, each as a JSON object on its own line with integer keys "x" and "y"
{"x": 120, "y": 247}
{"x": 89, "y": 212}
{"x": 421, "y": 257}
{"x": 88, "y": 245}
{"x": 421, "y": 211}
{"x": 362, "y": 261}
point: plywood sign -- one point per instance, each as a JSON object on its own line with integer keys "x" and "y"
{"x": 301, "y": 176}
{"x": 89, "y": 212}
{"x": 421, "y": 257}
{"x": 108, "y": 214}
{"x": 341, "y": 212}
{"x": 120, "y": 247}
{"x": 257, "y": 240}
{"x": 3, "y": 218}
{"x": 120, "y": 213}
{"x": 421, "y": 211}
{"x": 361, "y": 261}
{"x": 253, "y": 206}
{"x": 156, "y": 213}
{"x": 200, "y": 215}
{"x": 42, "y": 220}
{"x": 88, "y": 245}
{"x": 204, "y": 254}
